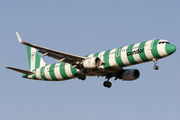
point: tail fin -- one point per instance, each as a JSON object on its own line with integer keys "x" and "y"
{"x": 35, "y": 60}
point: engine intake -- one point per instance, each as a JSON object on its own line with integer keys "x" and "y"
{"x": 92, "y": 63}
{"x": 130, "y": 74}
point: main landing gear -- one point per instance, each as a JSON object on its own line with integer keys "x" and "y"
{"x": 155, "y": 62}
{"x": 107, "y": 84}
{"x": 81, "y": 76}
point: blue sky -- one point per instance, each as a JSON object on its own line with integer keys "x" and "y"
{"x": 82, "y": 27}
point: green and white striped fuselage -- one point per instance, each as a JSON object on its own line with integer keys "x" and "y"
{"x": 114, "y": 60}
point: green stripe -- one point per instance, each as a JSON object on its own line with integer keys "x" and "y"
{"x": 34, "y": 76}
{"x": 25, "y": 75}
{"x": 29, "y": 56}
{"x": 62, "y": 71}
{"x": 96, "y": 54}
{"x": 74, "y": 71}
{"x": 86, "y": 56}
{"x": 130, "y": 54}
{"x": 42, "y": 73}
{"x": 106, "y": 60}
{"x": 142, "y": 54}
{"x": 37, "y": 62}
{"x": 51, "y": 72}
{"x": 118, "y": 57}
{"x": 154, "y": 50}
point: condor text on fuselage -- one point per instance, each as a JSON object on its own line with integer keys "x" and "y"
{"x": 135, "y": 52}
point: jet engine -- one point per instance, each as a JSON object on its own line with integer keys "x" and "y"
{"x": 130, "y": 74}
{"x": 92, "y": 63}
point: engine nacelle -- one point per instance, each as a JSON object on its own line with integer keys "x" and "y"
{"x": 92, "y": 63}
{"x": 130, "y": 74}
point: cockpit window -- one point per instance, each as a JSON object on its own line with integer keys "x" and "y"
{"x": 163, "y": 42}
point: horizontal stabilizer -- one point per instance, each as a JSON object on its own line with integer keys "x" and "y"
{"x": 21, "y": 71}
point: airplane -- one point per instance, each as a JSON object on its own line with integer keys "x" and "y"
{"x": 108, "y": 64}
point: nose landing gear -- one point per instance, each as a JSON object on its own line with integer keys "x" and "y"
{"x": 155, "y": 62}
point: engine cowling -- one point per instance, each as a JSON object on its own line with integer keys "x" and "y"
{"x": 130, "y": 74}
{"x": 92, "y": 63}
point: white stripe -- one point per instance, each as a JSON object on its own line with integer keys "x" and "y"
{"x": 68, "y": 70}
{"x": 112, "y": 60}
{"x": 42, "y": 63}
{"x": 162, "y": 50}
{"x": 33, "y": 58}
{"x": 124, "y": 56}
{"x": 30, "y": 76}
{"x": 57, "y": 71}
{"x": 46, "y": 72}
{"x": 147, "y": 50}
{"x": 136, "y": 56}
{"x": 90, "y": 56}
{"x": 38, "y": 73}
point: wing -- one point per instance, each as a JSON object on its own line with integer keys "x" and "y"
{"x": 61, "y": 56}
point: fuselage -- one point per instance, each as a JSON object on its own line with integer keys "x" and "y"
{"x": 114, "y": 60}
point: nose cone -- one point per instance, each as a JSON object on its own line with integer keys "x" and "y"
{"x": 170, "y": 49}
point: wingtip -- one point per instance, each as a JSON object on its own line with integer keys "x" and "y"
{"x": 19, "y": 38}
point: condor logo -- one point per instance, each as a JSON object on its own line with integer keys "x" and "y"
{"x": 135, "y": 52}
{"x": 33, "y": 55}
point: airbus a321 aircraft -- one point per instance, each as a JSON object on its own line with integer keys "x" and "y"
{"x": 110, "y": 63}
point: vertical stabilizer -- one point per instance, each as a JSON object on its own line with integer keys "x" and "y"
{"x": 35, "y": 60}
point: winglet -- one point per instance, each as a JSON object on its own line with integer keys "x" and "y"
{"x": 19, "y": 38}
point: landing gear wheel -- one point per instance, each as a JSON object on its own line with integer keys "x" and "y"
{"x": 81, "y": 77}
{"x": 156, "y": 67}
{"x": 107, "y": 84}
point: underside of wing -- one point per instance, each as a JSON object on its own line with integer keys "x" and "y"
{"x": 61, "y": 56}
